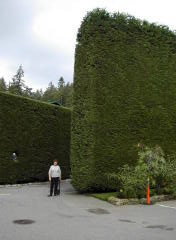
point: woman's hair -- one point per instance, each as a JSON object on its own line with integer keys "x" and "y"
{"x": 55, "y": 160}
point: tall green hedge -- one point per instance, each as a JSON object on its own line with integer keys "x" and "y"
{"x": 124, "y": 94}
{"x": 38, "y": 132}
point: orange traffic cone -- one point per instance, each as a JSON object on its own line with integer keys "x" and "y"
{"x": 148, "y": 193}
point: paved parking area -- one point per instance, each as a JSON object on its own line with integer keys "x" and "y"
{"x": 78, "y": 217}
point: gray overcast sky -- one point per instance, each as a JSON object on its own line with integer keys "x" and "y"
{"x": 41, "y": 34}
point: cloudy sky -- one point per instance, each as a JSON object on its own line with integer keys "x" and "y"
{"x": 41, "y": 34}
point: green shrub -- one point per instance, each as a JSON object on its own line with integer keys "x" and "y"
{"x": 124, "y": 93}
{"x": 132, "y": 181}
{"x": 38, "y": 132}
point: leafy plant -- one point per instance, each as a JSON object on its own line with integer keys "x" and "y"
{"x": 132, "y": 181}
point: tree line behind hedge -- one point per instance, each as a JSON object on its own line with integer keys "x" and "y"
{"x": 61, "y": 94}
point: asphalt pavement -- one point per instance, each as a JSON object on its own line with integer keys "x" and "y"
{"x": 26, "y": 213}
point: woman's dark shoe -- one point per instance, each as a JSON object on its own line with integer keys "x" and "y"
{"x": 56, "y": 194}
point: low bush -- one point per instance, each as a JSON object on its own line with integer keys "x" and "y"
{"x": 132, "y": 180}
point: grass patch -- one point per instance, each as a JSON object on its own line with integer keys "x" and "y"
{"x": 104, "y": 196}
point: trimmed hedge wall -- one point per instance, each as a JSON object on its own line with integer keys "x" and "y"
{"x": 124, "y": 94}
{"x": 38, "y": 132}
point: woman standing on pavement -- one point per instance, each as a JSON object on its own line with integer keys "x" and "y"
{"x": 54, "y": 178}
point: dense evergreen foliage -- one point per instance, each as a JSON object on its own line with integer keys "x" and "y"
{"x": 124, "y": 93}
{"x": 38, "y": 132}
